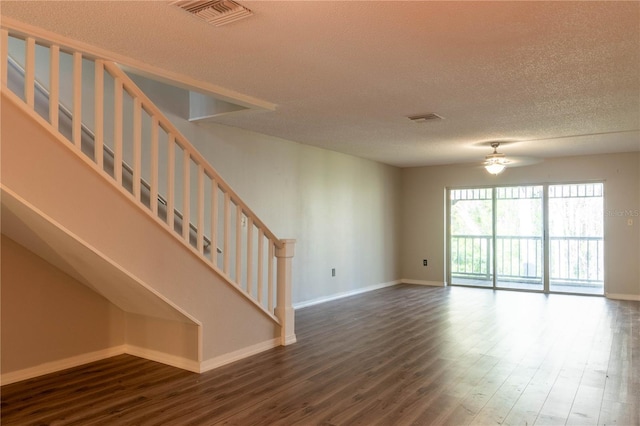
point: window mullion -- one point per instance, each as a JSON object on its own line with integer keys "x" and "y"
{"x": 545, "y": 238}
{"x": 494, "y": 225}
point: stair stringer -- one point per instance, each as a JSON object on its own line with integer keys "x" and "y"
{"x": 41, "y": 168}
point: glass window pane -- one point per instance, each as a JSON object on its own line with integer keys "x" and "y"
{"x": 576, "y": 239}
{"x": 519, "y": 238}
{"x": 471, "y": 239}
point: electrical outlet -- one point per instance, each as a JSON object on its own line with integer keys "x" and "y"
{"x": 424, "y": 262}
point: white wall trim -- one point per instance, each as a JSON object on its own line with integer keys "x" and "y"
{"x": 343, "y": 294}
{"x": 617, "y": 296}
{"x": 163, "y": 358}
{"x": 61, "y": 364}
{"x": 221, "y": 360}
{"x": 422, "y": 282}
{"x": 150, "y": 354}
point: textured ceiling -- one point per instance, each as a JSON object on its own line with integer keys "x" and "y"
{"x": 558, "y": 78}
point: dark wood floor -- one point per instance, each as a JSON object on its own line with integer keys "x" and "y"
{"x": 398, "y": 356}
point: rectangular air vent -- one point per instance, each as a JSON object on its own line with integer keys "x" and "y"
{"x": 425, "y": 117}
{"x": 216, "y": 12}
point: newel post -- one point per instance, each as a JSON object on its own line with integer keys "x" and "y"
{"x": 284, "y": 308}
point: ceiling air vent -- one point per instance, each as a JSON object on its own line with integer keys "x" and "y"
{"x": 217, "y": 12}
{"x": 425, "y": 117}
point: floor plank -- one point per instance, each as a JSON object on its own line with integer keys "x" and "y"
{"x": 405, "y": 355}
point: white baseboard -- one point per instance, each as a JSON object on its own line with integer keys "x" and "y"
{"x": 422, "y": 282}
{"x": 163, "y": 358}
{"x": 152, "y": 355}
{"x": 344, "y": 294}
{"x": 221, "y": 360}
{"x": 61, "y": 364}
{"x": 289, "y": 340}
{"x": 618, "y": 296}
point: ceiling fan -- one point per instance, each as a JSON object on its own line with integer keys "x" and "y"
{"x": 495, "y": 162}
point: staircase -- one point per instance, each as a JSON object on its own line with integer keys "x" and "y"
{"x": 96, "y": 180}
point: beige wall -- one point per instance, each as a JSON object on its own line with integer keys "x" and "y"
{"x": 423, "y": 211}
{"x": 49, "y": 316}
{"x": 175, "y": 338}
{"x": 343, "y": 211}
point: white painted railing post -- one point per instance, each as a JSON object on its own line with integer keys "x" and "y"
{"x": 284, "y": 308}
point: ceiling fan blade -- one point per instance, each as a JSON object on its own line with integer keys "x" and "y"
{"x": 522, "y": 161}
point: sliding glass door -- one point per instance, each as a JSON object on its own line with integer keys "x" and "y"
{"x": 519, "y": 242}
{"x": 497, "y": 237}
{"x": 576, "y": 238}
{"x": 471, "y": 242}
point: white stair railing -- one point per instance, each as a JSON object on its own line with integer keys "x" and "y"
{"x": 137, "y": 148}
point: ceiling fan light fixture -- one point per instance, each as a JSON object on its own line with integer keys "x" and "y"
{"x": 495, "y": 168}
{"x": 495, "y": 163}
